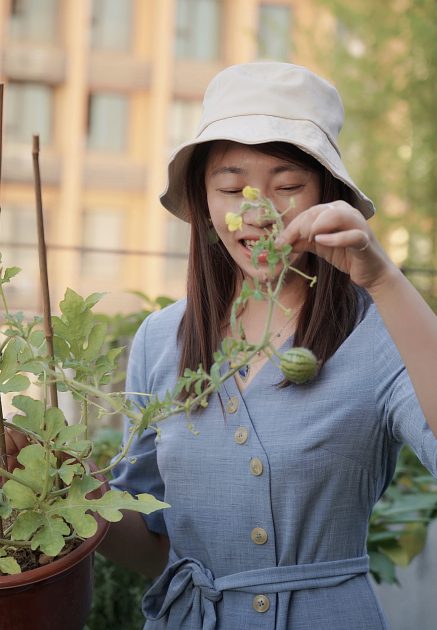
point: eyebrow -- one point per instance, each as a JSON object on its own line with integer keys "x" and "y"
{"x": 236, "y": 170}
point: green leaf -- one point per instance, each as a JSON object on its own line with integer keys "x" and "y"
{"x": 37, "y": 338}
{"x": 74, "y": 507}
{"x": 17, "y": 383}
{"x": 92, "y": 299}
{"x": 113, "y": 501}
{"x": 10, "y": 381}
{"x": 96, "y": 340}
{"x": 20, "y": 496}
{"x": 46, "y": 423}
{"x": 26, "y": 524}
{"x": 69, "y": 433}
{"x": 50, "y": 537}
{"x": 54, "y": 422}
{"x": 163, "y": 301}
{"x": 8, "y": 564}
{"x": 9, "y": 273}
{"x": 382, "y": 568}
{"x": 33, "y": 460}
{"x": 68, "y": 470}
{"x": 33, "y": 413}
{"x": 61, "y": 348}
{"x": 215, "y": 375}
{"x": 409, "y": 545}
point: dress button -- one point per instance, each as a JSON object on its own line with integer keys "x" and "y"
{"x": 241, "y": 435}
{"x": 232, "y": 405}
{"x": 261, "y": 603}
{"x": 256, "y": 466}
{"x": 259, "y": 536}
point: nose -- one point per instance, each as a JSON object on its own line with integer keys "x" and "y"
{"x": 257, "y": 217}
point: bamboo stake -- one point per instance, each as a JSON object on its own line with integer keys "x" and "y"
{"x": 3, "y": 455}
{"x": 42, "y": 254}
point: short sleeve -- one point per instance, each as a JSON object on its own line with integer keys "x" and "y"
{"x": 397, "y": 402}
{"x": 141, "y": 474}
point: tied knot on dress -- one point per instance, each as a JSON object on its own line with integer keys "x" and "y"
{"x": 184, "y": 591}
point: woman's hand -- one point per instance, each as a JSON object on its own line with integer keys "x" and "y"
{"x": 339, "y": 233}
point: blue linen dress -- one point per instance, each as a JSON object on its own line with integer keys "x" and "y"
{"x": 271, "y": 491}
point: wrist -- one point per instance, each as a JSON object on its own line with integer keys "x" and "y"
{"x": 386, "y": 282}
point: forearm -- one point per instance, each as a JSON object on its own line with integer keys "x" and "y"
{"x": 131, "y": 545}
{"x": 413, "y": 327}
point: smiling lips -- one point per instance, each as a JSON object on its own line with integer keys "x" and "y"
{"x": 248, "y": 245}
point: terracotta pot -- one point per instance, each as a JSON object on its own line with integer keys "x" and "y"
{"x": 56, "y": 596}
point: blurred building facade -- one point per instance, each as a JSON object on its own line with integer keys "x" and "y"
{"x": 111, "y": 88}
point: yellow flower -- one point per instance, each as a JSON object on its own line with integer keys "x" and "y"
{"x": 251, "y": 193}
{"x": 233, "y": 221}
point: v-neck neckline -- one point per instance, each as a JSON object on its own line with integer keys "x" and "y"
{"x": 288, "y": 343}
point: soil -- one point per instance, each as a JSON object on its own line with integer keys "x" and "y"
{"x": 28, "y": 559}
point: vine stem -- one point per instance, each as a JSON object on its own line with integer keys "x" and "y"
{"x": 15, "y": 543}
{"x": 8, "y": 475}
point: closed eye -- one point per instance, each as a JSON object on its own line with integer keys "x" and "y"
{"x": 291, "y": 188}
{"x": 230, "y": 191}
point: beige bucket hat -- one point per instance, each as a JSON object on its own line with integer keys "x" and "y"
{"x": 262, "y": 102}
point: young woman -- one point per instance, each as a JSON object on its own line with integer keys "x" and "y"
{"x": 270, "y": 495}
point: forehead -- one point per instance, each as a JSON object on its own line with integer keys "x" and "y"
{"x": 231, "y": 156}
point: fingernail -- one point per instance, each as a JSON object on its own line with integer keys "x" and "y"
{"x": 279, "y": 241}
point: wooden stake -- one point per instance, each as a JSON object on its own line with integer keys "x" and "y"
{"x": 42, "y": 254}
{"x": 3, "y": 455}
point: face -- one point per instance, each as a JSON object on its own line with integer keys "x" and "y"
{"x": 233, "y": 166}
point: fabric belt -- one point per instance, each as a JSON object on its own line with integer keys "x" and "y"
{"x": 186, "y": 593}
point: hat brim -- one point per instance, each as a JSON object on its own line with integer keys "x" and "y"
{"x": 259, "y": 129}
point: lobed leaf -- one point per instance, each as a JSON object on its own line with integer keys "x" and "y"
{"x": 20, "y": 497}
{"x": 8, "y": 564}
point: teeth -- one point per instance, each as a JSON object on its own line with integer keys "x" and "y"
{"x": 250, "y": 243}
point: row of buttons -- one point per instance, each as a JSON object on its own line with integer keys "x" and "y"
{"x": 259, "y": 536}
{"x": 256, "y": 466}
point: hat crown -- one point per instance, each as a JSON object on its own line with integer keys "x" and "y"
{"x": 280, "y": 90}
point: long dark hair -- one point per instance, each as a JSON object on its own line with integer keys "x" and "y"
{"x": 329, "y": 311}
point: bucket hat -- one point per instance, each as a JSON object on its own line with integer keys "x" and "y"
{"x": 262, "y": 102}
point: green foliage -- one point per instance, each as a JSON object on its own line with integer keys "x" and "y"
{"x": 383, "y": 59}
{"x": 116, "y": 598}
{"x": 398, "y": 524}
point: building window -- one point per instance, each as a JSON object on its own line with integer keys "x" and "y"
{"x": 107, "y": 122}
{"x": 18, "y": 244}
{"x": 184, "y": 121}
{"x": 274, "y": 32}
{"x": 102, "y": 229}
{"x": 198, "y": 27}
{"x": 28, "y": 111}
{"x": 111, "y": 24}
{"x": 35, "y": 21}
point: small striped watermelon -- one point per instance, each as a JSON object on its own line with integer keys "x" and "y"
{"x": 299, "y": 365}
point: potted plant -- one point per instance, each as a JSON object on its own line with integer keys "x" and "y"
{"x": 55, "y": 498}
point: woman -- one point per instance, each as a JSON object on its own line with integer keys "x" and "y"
{"x": 271, "y": 493}
{"x": 270, "y": 504}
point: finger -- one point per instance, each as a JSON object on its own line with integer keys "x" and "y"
{"x": 299, "y": 228}
{"x": 336, "y": 218}
{"x": 354, "y": 239}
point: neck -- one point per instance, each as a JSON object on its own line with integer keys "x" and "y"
{"x": 284, "y": 316}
